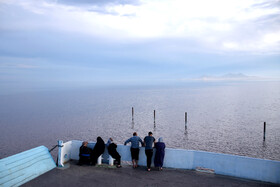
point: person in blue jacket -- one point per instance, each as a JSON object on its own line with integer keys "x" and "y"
{"x": 135, "y": 140}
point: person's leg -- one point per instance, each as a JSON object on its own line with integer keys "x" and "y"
{"x": 80, "y": 161}
{"x": 149, "y": 154}
{"x": 136, "y": 157}
{"x": 87, "y": 160}
{"x": 161, "y": 161}
{"x": 118, "y": 159}
{"x": 133, "y": 157}
{"x": 150, "y": 157}
{"x": 93, "y": 158}
{"x": 93, "y": 161}
{"x": 133, "y": 163}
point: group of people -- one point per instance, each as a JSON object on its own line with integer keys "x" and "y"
{"x": 90, "y": 156}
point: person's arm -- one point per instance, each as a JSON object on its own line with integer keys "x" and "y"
{"x": 145, "y": 142}
{"x": 109, "y": 142}
{"x": 127, "y": 141}
{"x": 142, "y": 143}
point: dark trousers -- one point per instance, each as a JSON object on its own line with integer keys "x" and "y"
{"x": 149, "y": 154}
{"x": 116, "y": 156}
{"x": 84, "y": 160}
{"x": 94, "y": 159}
{"x": 118, "y": 159}
{"x": 134, "y": 153}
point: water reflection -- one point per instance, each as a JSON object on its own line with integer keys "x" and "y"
{"x": 186, "y": 132}
{"x": 264, "y": 145}
{"x": 226, "y": 114}
{"x": 132, "y": 124}
{"x": 155, "y": 127}
{"x": 185, "y": 136}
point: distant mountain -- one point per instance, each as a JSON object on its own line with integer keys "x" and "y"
{"x": 237, "y": 75}
{"x": 229, "y": 77}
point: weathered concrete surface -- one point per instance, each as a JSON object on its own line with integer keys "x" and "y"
{"x": 127, "y": 176}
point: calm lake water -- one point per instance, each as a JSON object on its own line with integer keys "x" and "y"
{"x": 222, "y": 117}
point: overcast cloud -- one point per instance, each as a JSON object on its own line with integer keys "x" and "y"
{"x": 141, "y": 41}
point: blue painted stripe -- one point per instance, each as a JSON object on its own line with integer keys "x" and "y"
{"x": 85, "y": 154}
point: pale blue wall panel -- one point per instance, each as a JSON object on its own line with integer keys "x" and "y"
{"x": 23, "y": 167}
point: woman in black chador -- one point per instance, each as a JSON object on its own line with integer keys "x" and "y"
{"x": 97, "y": 150}
{"x": 84, "y": 154}
{"x": 112, "y": 150}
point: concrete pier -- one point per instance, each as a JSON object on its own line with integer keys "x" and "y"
{"x": 127, "y": 176}
{"x": 218, "y": 163}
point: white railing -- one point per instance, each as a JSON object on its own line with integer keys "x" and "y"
{"x": 224, "y": 164}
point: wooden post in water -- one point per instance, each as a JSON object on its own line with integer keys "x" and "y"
{"x": 154, "y": 118}
{"x": 264, "y": 129}
{"x": 132, "y": 123}
{"x": 132, "y": 114}
{"x": 186, "y": 120}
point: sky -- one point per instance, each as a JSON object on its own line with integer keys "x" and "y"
{"x": 123, "y": 42}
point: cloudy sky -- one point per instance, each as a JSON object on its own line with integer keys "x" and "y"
{"x": 100, "y": 42}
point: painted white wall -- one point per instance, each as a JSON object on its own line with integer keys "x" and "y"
{"x": 66, "y": 151}
{"x": 224, "y": 164}
{"x": 239, "y": 166}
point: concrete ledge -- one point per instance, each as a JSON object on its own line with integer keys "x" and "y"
{"x": 224, "y": 164}
{"x": 239, "y": 166}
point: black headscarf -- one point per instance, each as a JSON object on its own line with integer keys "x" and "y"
{"x": 112, "y": 148}
{"x": 99, "y": 146}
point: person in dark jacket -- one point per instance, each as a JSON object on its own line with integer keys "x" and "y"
{"x": 149, "y": 141}
{"x": 160, "y": 151}
{"x": 84, "y": 154}
{"x": 112, "y": 150}
{"x": 97, "y": 150}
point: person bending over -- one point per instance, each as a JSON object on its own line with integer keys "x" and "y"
{"x": 112, "y": 150}
{"x": 149, "y": 140}
{"x": 160, "y": 151}
{"x": 135, "y": 140}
